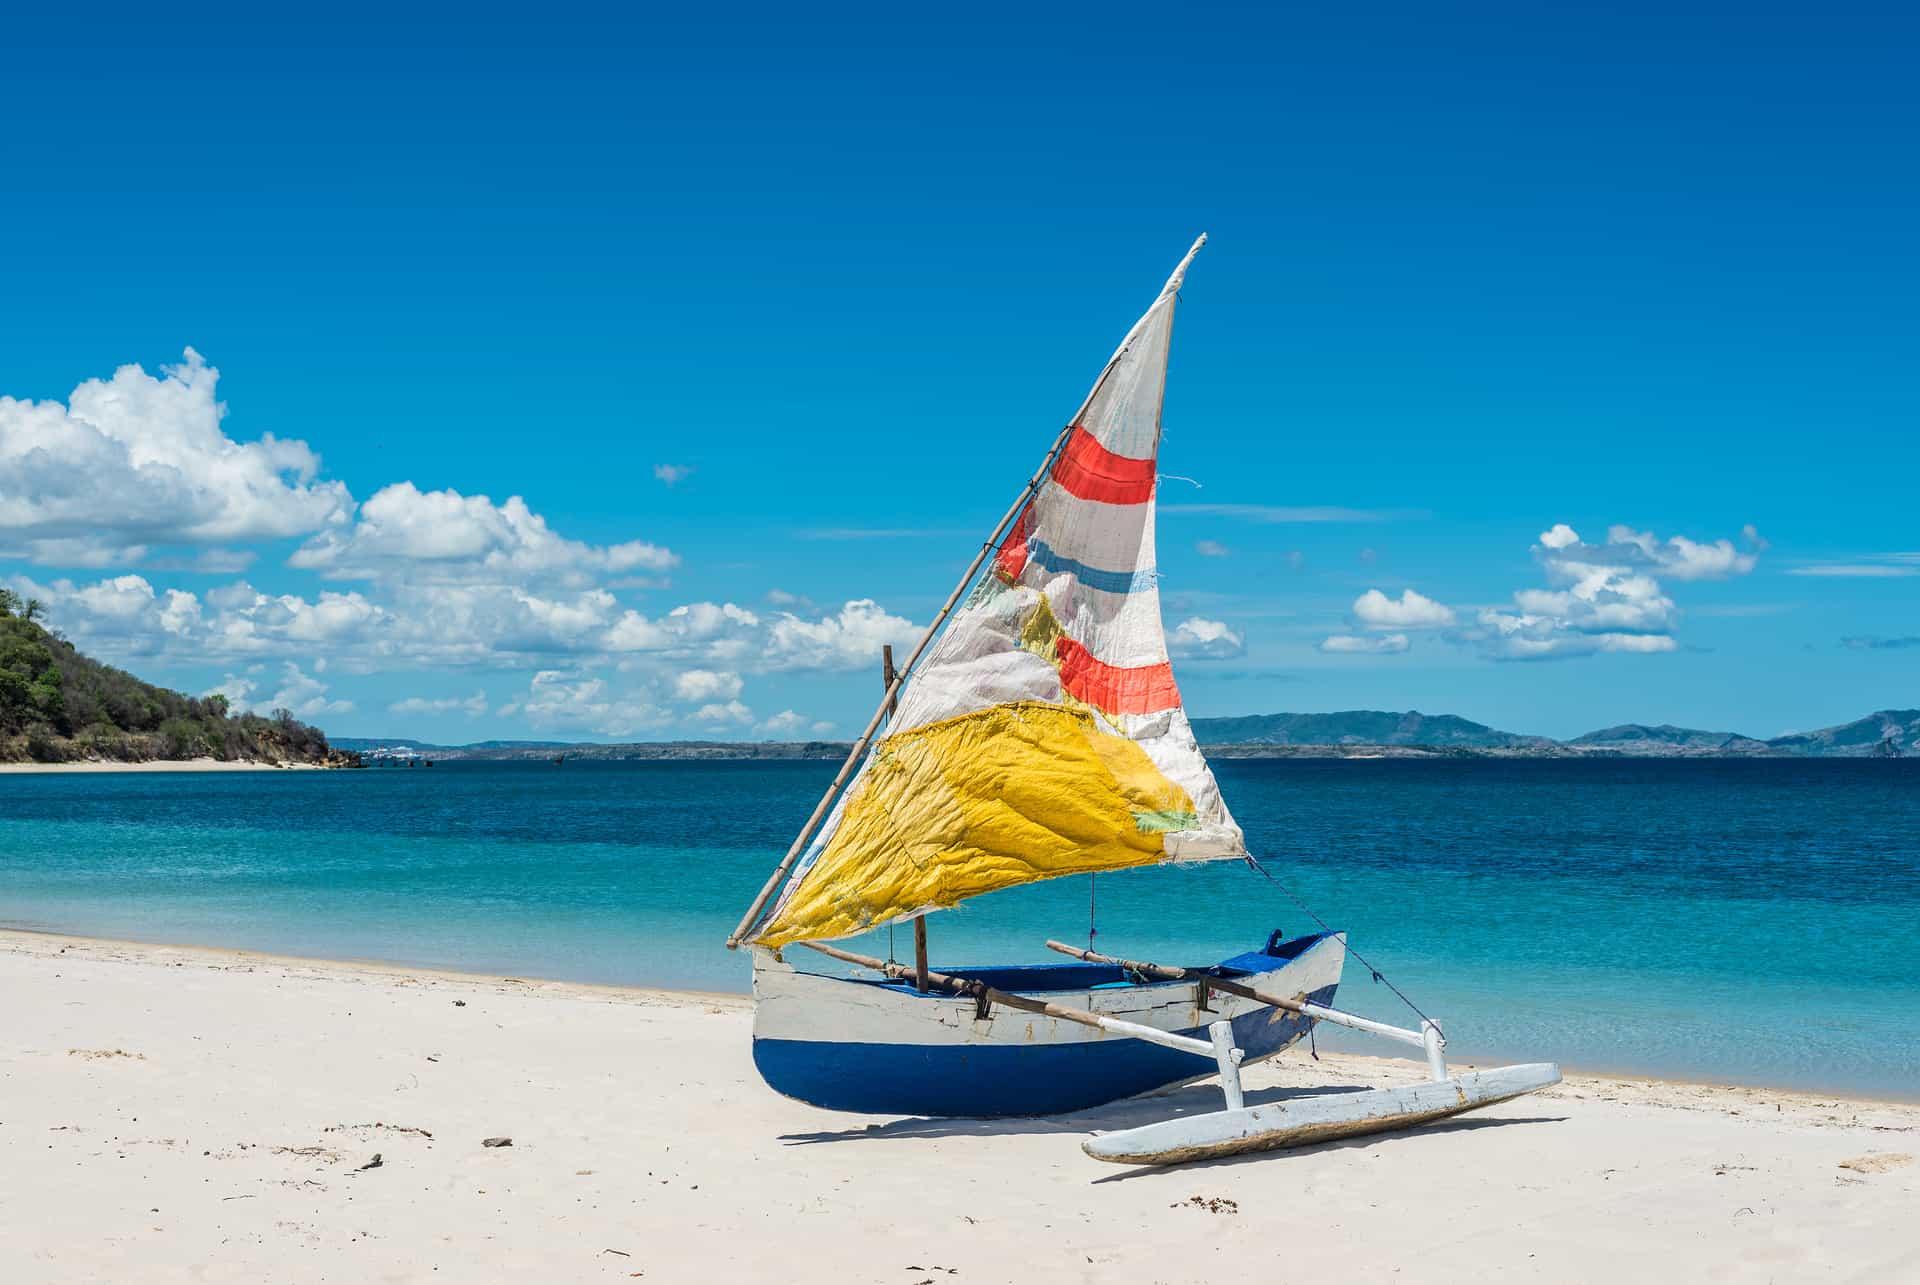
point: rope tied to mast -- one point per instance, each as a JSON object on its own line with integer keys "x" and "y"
{"x": 1366, "y": 963}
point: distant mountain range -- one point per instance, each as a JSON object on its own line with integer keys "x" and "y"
{"x": 1889, "y": 733}
{"x": 1361, "y": 727}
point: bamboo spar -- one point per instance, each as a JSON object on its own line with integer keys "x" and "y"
{"x": 800, "y": 841}
{"x": 1168, "y": 974}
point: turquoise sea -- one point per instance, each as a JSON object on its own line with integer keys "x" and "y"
{"x": 1748, "y": 920}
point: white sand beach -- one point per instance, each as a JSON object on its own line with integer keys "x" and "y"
{"x": 184, "y": 1114}
{"x": 158, "y": 765}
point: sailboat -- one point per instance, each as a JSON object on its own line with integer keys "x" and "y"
{"x": 1035, "y": 732}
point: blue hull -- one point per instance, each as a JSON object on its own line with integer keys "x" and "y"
{"x": 1006, "y": 1079}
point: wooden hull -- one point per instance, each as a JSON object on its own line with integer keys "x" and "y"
{"x": 1322, "y": 1118}
{"x": 858, "y": 1044}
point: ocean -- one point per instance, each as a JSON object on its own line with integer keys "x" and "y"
{"x": 1746, "y": 920}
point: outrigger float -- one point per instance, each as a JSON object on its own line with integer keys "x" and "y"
{"x": 1044, "y": 736}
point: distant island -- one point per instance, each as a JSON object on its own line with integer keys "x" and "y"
{"x": 57, "y": 706}
{"x": 1888, "y": 733}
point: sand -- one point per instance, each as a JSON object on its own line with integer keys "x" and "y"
{"x": 157, "y": 765}
{"x": 179, "y": 1114}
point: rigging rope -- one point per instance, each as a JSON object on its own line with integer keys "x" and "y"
{"x": 1378, "y": 976}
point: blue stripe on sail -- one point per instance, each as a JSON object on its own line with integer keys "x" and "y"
{"x": 1092, "y": 577}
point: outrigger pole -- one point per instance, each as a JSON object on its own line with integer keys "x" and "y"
{"x": 992, "y": 542}
{"x": 1428, "y": 1038}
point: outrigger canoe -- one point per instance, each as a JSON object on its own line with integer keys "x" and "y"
{"x": 1035, "y": 732}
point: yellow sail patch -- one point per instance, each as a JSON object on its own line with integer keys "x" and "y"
{"x": 1007, "y": 795}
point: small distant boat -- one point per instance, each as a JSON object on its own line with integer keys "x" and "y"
{"x": 1044, "y": 736}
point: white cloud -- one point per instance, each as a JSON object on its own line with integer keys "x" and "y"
{"x": 236, "y": 689}
{"x": 1678, "y": 558}
{"x": 140, "y": 460}
{"x": 732, "y": 712}
{"x": 1199, "y": 638}
{"x": 472, "y": 706}
{"x": 1352, "y": 644}
{"x": 786, "y": 723}
{"x": 1607, "y": 597}
{"x": 1212, "y": 549}
{"x": 1410, "y": 611}
{"x": 850, "y": 640}
{"x": 405, "y": 533}
{"x": 1872, "y": 566}
{"x": 673, "y": 474}
{"x": 304, "y": 694}
{"x": 560, "y": 700}
{"x": 126, "y": 612}
{"x": 705, "y": 684}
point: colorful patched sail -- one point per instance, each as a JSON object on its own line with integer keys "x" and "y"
{"x": 1043, "y": 733}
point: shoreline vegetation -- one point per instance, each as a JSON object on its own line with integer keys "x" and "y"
{"x": 60, "y": 708}
{"x": 175, "y": 1106}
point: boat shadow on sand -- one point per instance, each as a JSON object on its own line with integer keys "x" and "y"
{"x": 1194, "y": 1099}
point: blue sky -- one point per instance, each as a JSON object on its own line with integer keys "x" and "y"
{"x": 1474, "y": 274}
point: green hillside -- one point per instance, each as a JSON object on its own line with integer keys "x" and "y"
{"x": 1359, "y": 727}
{"x": 57, "y": 706}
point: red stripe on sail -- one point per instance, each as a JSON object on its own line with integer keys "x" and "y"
{"x": 1115, "y": 689}
{"x": 1012, "y": 558}
{"x": 1090, "y": 471}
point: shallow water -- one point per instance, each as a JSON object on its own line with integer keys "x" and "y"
{"x": 1752, "y": 920}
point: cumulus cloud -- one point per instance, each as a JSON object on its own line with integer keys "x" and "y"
{"x": 786, "y": 723}
{"x": 850, "y": 639}
{"x": 1410, "y": 610}
{"x": 705, "y": 684}
{"x": 1355, "y": 644}
{"x": 304, "y": 694}
{"x": 405, "y": 533}
{"x": 1201, "y": 639}
{"x": 140, "y": 460}
{"x": 559, "y": 700}
{"x": 1605, "y": 597}
{"x": 472, "y": 706}
{"x": 731, "y": 712}
{"x": 1677, "y": 558}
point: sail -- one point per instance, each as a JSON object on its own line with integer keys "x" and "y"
{"x": 1043, "y": 734}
